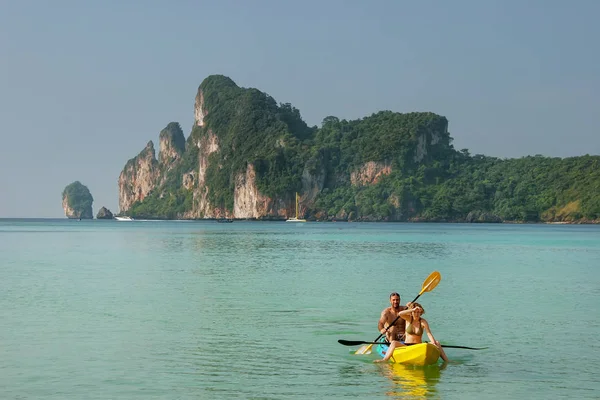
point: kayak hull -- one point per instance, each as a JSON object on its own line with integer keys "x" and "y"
{"x": 417, "y": 354}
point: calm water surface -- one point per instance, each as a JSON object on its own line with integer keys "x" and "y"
{"x": 251, "y": 310}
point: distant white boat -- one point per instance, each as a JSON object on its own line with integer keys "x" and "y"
{"x": 296, "y": 219}
{"x": 124, "y": 218}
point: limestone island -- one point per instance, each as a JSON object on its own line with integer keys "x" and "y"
{"x": 77, "y": 201}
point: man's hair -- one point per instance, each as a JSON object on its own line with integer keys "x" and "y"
{"x": 394, "y": 294}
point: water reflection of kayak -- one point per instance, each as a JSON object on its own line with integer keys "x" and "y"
{"x": 416, "y": 354}
{"x": 412, "y": 381}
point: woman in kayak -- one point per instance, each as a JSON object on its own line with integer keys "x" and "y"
{"x": 414, "y": 328}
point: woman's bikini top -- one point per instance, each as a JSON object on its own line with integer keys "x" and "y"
{"x": 414, "y": 330}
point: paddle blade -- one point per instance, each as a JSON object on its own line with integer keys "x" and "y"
{"x": 364, "y": 350}
{"x": 352, "y": 342}
{"x": 431, "y": 282}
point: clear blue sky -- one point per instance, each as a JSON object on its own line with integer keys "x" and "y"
{"x": 85, "y": 85}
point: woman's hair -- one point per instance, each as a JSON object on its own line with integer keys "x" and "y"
{"x": 415, "y": 305}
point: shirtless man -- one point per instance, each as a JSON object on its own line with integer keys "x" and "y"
{"x": 396, "y": 331}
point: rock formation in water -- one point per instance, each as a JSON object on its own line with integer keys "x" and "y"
{"x": 247, "y": 156}
{"x": 104, "y": 213}
{"x": 77, "y": 201}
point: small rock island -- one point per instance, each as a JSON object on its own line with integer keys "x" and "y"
{"x": 104, "y": 213}
{"x": 77, "y": 201}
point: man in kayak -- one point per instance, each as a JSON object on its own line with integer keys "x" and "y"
{"x": 390, "y": 323}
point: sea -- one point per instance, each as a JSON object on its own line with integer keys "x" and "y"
{"x": 98, "y": 309}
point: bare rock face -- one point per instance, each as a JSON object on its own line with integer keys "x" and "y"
{"x": 199, "y": 112}
{"x": 369, "y": 173}
{"x": 104, "y": 213}
{"x": 189, "y": 179}
{"x": 69, "y": 211}
{"x": 138, "y": 178}
{"x": 206, "y": 146}
{"x": 247, "y": 199}
{"x": 250, "y": 203}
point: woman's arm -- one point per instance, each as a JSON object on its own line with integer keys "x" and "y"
{"x": 425, "y": 326}
{"x": 405, "y": 314}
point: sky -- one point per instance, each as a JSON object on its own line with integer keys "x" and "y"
{"x": 84, "y": 85}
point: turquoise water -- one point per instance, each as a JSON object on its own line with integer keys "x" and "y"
{"x": 251, "y": 310}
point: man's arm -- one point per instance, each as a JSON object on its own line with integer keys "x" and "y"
{"x": 382, "y": 321}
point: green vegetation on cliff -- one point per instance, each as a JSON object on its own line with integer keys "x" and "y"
{"x": 387, "y": 166}
{"x": 79, "y": 200}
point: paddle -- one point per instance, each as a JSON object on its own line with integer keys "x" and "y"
{"x": 357, "y": 342}
{"x": 428, "y": 285}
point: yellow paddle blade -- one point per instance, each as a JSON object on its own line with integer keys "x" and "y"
{"x": 364, "y": 349}
{"x": 431, "y": 282}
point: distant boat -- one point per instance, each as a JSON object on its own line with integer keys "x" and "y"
{"x": 296, "y": 219}
{"x": 124, "y": 218}
{"x": 224, "y": 220}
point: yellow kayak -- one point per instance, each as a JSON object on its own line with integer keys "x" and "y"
{"x": 416, "y": 354}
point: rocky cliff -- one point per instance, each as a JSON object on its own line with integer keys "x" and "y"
{"x": 370, "y": 172}
{"x": 207, "y": 144}
{"x": 139, "y": 177}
